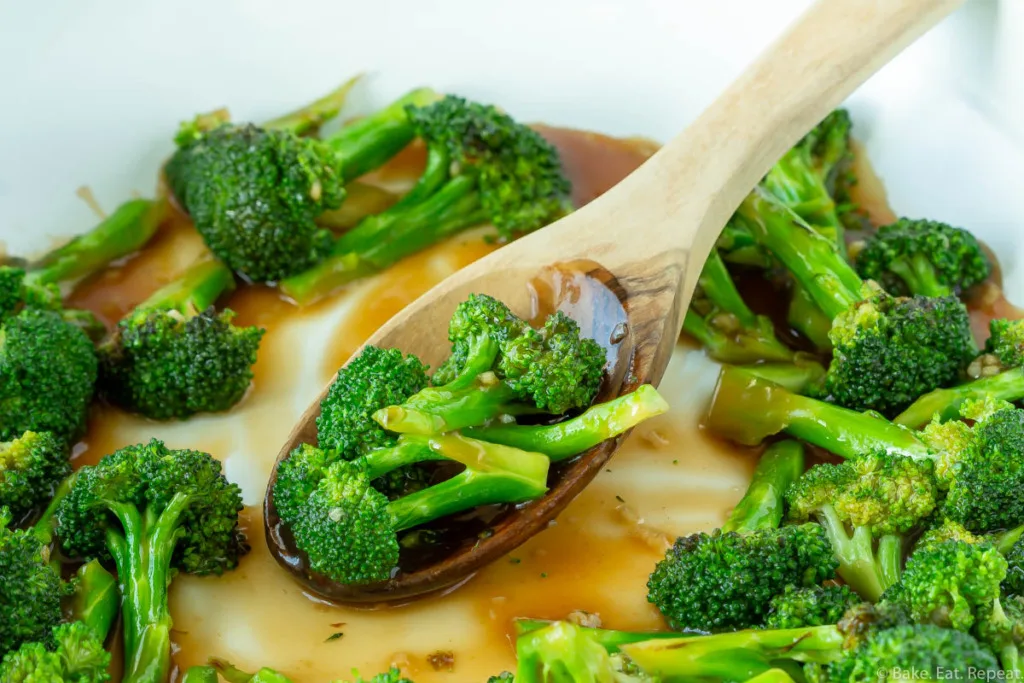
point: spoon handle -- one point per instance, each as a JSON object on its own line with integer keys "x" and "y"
{"x": 679, "y": 200}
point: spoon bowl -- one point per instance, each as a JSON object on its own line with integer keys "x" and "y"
{"x": 626, "y": 265}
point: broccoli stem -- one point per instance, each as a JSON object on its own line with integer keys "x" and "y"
{"x": 494, "y": 474}
{"x": 609, "y": 639}
{"x": 381, "y": 241}
{"x": 570, "y": 438}
{"x": 763, "y": 505}
{"x": 859, "y": 567}
{"x": 142, "y": 551}
{"x": 1005, "y": 540}
{"x": 45, "y": 526}
{"x": 919, "y": 275}
{"x": 804, "y": 316}
{"x": 799, "y": 377}
{"x": 737, "y": 656}
{"x": 409, "y": 450}
{"x": 361, "y": 201}
{"x": 945, "y": 403}
{"x": 123, "y": 232}
{"x": 748, "y": 409}
{"x": 233, "y": 674}
{"x": 367, "y": 143}
{"x": 436, "y": 410}
{"x": 200, "y": 674}
{"x": 194, "y": 291}
{"x": 309, "y": 118}
{"x": 731, "y": 332}
{"x": 813, "y": 260}
{"x": 96, "y": 601}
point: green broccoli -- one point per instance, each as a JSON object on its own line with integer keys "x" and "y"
{"x": 174, "y": 355}
{"x": 727, "y": 579}
{"x": 155, "y": 511}
{"x": 232, "y": 674}
{"x": 571, "y": 437}
{"x": 956, "y": 585}
{"x": 349, "y": 530}
{"x": 30, "y": 589}
{"x": 31, "y": 467}
{"x": 979, "y": 466}
{"x": 886, "y": 351}
{"x": 723, "y": 323}
{"x": 482, "y": 166}
{"x": 129, "y": 228}
{"x": 561, "y": 652}
{"x": 874, "y": 498}
{"x": 48, "y": 373}
{"x": 811, "y": 606}
{"x": 827, "y": 653}
{"x": 998, "y": 375}
{"x": 254, "y": 193}
{"x": 802, "y": 376}
{"x": 923, "y": 257}
{"x": 502, "y": 366}
{"x": 77, "y": 657}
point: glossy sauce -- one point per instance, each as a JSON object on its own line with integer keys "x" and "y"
{"x": 669, "y": 479}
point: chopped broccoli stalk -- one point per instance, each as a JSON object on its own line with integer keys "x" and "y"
{"x": 200, "y": 674}
{"x": 803, "y": 376}
{"x": 31, "y": 467}
{"x": 999, "y": 372}
{"x": 501, "y": 366}
{"x": 233, "y": 674}
{"x": 561, "y": 652}
{"x": 812, "y": 606}
{"x": 307, "y": 119}
{"x": 175, "y": 355}
{"x": 482, "y": 166}
{"x": 30, "y": 589}
{"x": 76, "y": 656}
{"x": 47, "y": 375}
{"x": 566, "y": 439}
{"x": 723, "y": 323}
{"x": 96, "y": 601}
{"x": 873, "y": 498}
{"x": 120, "y": 234}
{"x": 727, "y": 579}
{"x": 923, "y": 257}
{"x": 887, "y": 351}
{"x": 805, "y": 317}
{"x": 368, "y": 142}
{"x": 748, "y": 409}
{"x": 155, "y": 511}
{"x": 348, "y": 529}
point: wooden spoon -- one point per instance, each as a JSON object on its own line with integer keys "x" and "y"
{"x": 627, "y": 264}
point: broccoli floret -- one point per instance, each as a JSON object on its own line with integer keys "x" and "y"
{"x": 373, "y": 380}
{"x": 874, "y": 498}
{"x": 923, "y": 257}
{"x": 934, "y": 652}
{"x": 77, "y": 657}
{"x": 503, "y": 677}
{"x": 947, "y": 531}
{"x": 725, "y": 326}
{"x": 48, "y": 373}
{"x": 956, "y": 585}
{"x": 887, "y": 351}
{"x": 812, "y": 606}
{"x": 174, "y": 355}
{"x": 727, "y": 579}
{"x": 989, "y": 475}
{"x": 503, "y": 367}
{"x": 155, "y": 511}
{"x": 571, "y": 437}
{"x": 1013, "y": 584}
{"x": 349, "y": 530}
{"x": 30, "y": 589}
{"x": 31, "y": 466}
{"x": 482, "y": 166}
{"x": 997, "y": 375}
